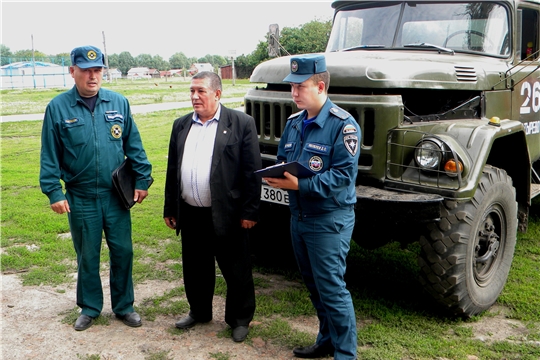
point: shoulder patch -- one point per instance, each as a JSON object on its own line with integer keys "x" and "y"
{"x": 349, "y": 129}
{"x": 339, "y": 112}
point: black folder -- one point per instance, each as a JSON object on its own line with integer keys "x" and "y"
{"x": 124, "y": 181}
{"x": 295, "y": 168}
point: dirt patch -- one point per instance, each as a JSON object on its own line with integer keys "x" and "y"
{"x": 495, "y": 326}
{"x": 32, "y": 328}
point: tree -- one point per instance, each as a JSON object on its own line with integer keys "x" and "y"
{"x": 219, "y": 60}
{"x": 244, "y": 64}
{"x": 144, "y": 60}
{"x": 5, "y": 55}
{"x": 205, "y": 59}
{"x": 179, "y": 61}
{"x": 125, "y": 62}
{"x": 159, "y": 63}
{"x": 26, "y": 55}
{"x": 308, "y": 38}
{"x": 113, "y": 61}
{"x": 61, "y": 59}
{"x": 311, "y": 37}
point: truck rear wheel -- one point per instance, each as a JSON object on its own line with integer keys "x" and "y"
{"x": 466, "y": 256}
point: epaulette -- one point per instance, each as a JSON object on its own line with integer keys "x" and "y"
{"x": 294, "y": 115}
{"x": 339, "y": 112}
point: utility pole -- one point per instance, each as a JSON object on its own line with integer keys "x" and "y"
{"x": 232, "y": 56}
{"x": 106, "y": 58}
{"x": 33, "y": 62}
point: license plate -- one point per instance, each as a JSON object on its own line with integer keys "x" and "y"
{"x": 278, "y": 196}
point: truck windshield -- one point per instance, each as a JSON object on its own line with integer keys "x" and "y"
{"x": 480, "y": 27}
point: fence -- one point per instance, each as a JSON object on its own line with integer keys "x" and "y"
{"x": 35, "y": 73}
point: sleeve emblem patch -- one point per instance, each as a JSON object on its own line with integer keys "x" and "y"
{"x": 351, "y": 143}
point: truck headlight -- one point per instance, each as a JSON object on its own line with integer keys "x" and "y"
{"x": 431, "y": 154}
{"x": 428, "y": 154}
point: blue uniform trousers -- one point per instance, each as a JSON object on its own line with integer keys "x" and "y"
{"x": 321, "y": 244}
{"x": 89, "y": 219}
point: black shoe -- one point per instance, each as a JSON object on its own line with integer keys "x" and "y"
{"x": 314, "y": 351}
{"x": 186, "y": 323}
{"x": 130, "y": 319}
{"x": 240, "y": 333}
{"x": 83, "y": 322}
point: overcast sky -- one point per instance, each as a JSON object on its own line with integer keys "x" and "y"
{"x": 155, "y": 28}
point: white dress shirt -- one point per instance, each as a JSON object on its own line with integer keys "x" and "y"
{"x": 197, "y": 161}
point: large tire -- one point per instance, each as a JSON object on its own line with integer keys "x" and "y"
{"x": 466, "y": 256}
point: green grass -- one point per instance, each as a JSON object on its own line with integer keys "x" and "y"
{"x": 396, "y": 319}
{"x": 138, "y": 92}
{"x": 172, "y": 302}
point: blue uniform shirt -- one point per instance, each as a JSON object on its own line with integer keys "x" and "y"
{"x": 330, "y": 148}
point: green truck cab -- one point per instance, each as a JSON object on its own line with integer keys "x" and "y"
{"x": 447, "y": 94}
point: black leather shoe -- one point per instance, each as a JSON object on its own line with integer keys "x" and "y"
{"x": 130, "y": 319}
{"x": 313, "y": 352}
{"x": 186, "y": 323}
{"x": 240, "y": 333}
{"x": 83, "y": 322}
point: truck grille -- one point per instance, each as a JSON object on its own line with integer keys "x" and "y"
{"x": 376, "y": 115}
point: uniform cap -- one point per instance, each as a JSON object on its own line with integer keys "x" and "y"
{"x": 305, "y": 66}
{"x": 87, "y": 57}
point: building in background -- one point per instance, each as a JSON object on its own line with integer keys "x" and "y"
{"x": 139, "y": 73}
{"x": 115, "y": 74}
{"x": 198, "y": 67}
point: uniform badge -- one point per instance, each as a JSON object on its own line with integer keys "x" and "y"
{"x": 348, "y": 129}
{"x": 294, "y": 66}
{"x": 116, "y": 131}
{"x": 351, "y": 143}
{"x": 91, "y": 55}
{"x": 315, "y": 163}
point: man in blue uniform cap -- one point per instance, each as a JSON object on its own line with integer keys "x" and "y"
{"x": 87, "y": 132}
{"x": 325, "y": 138}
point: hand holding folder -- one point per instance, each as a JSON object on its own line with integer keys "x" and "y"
{"x": 124, "y": 182}
{"x": 295, "y": 168}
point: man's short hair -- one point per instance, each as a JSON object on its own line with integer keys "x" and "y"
{"x": 325, "y": 77}
{"x": 215, "y": 80}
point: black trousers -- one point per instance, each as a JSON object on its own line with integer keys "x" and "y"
{"x": 201, "y": 248}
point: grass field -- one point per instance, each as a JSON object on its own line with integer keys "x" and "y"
{"x": 396, "y": 320}
{"x": 138, "y": 92}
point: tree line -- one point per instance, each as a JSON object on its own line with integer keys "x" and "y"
{"x": 307, "y": 38}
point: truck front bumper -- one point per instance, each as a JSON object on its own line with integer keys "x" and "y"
{"x": 399, "y": 206}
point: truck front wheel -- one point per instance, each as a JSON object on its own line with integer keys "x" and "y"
{"x": 466, "y": 256}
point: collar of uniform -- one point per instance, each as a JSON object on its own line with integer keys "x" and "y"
{"x": 102, "y": 95}
{"x": 321, "y": 118}
{"x": 217, "y": 115}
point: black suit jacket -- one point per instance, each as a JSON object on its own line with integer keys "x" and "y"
{"x": 234, "y": 187}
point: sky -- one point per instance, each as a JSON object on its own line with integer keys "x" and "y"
{"x": 156, "y": 28}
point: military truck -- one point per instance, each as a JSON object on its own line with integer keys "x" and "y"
{"x": 447, "y": 94}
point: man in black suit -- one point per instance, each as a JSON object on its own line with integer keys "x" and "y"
{"x": 212, "y": 198}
